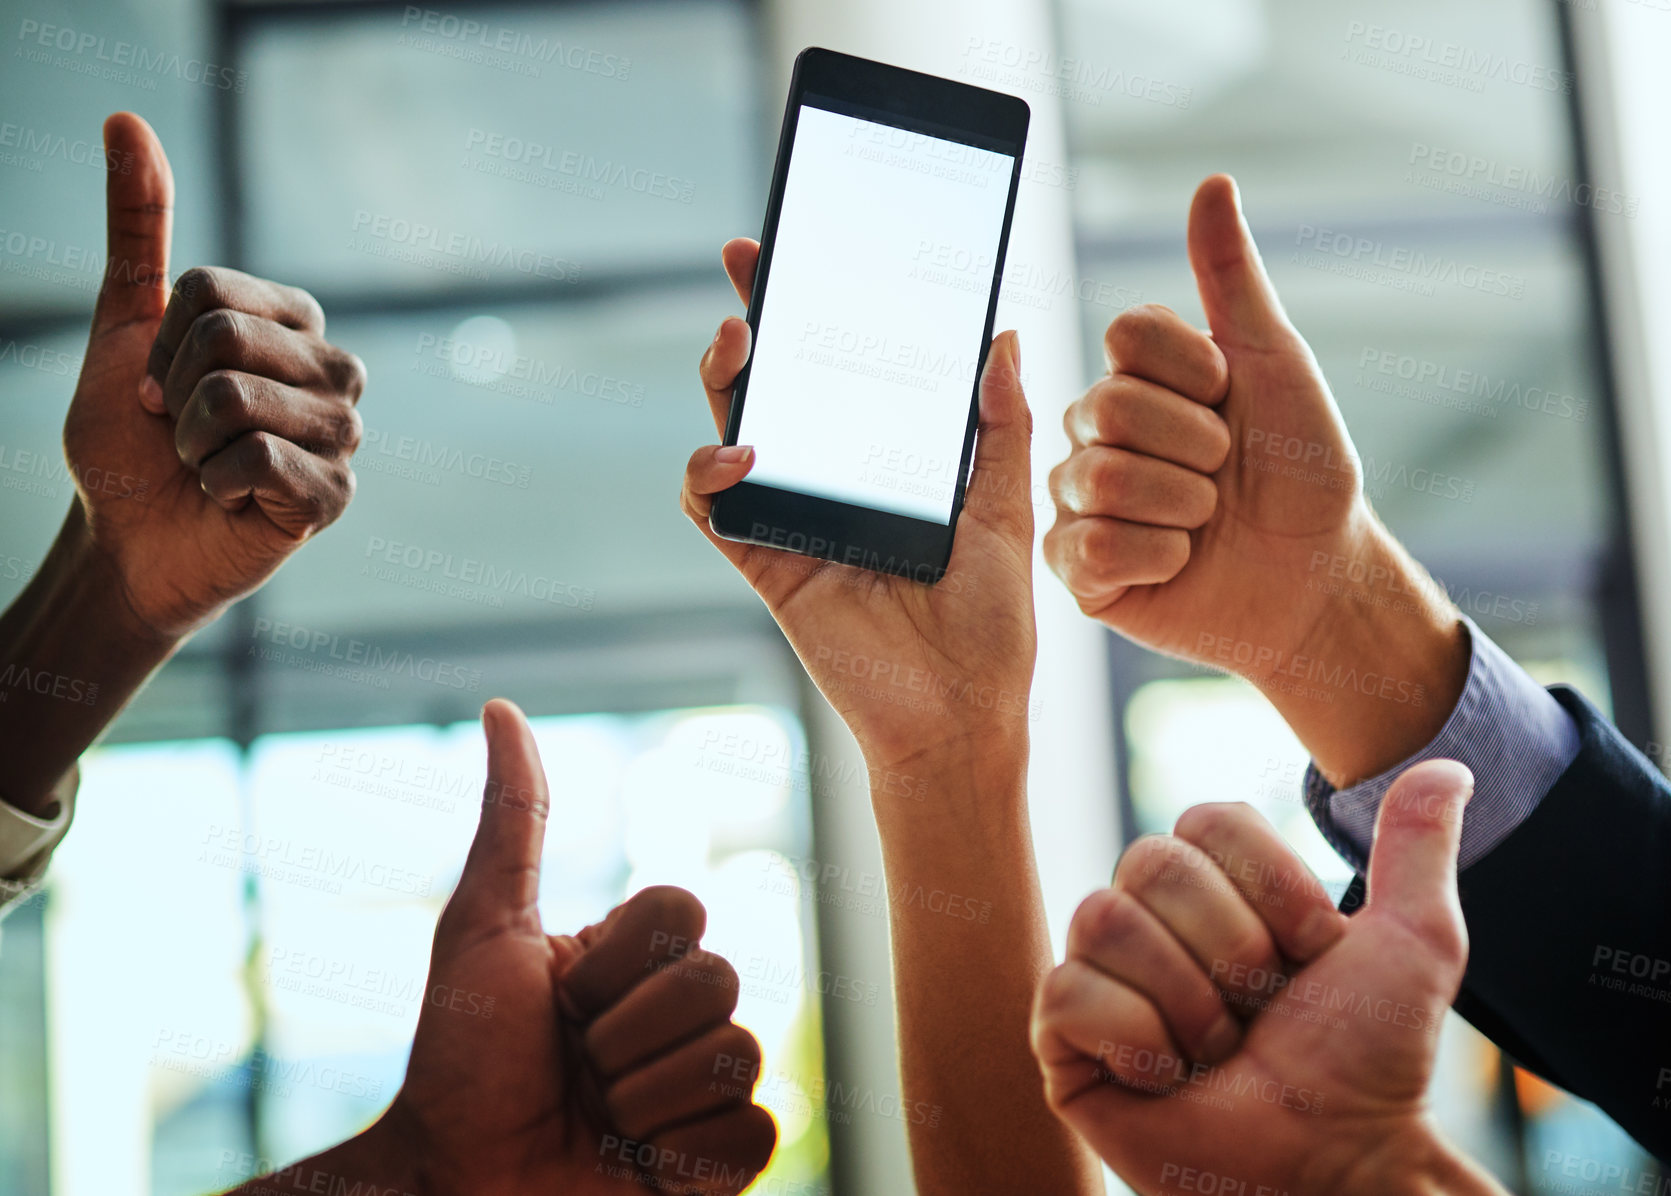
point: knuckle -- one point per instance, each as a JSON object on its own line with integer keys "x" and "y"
{"x": 1114, "y": 418}
{"x": 201, "y": 286}
{"x": 223, "y": 396}
{"x": 719, "y": 976}
{"x": 347, "y": 372}
{"x": 669, "y": 906}
{"x": 1133, "y": 331}
{"x": 351, "y": 430}
{"x": 1200, "y": 501}
{"x": 1174, "y": 552}
{"x": 1108, "y": 916}
{"x": 312, "y": 315}
{"x": 1217, "y": 444}
{"x": 217, "y": 333}
{"x": 1144, "y": 861}
{"x": 741, "y": 1044}
{"x": 1106, "y": 475}
{"x": 262, "y": 455}
{"x": 1250, "y": 943}
{"x": 1212, "y": 820}
{"x": 1058, "y": 991}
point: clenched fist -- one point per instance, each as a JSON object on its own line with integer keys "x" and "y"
{"x": 211, "y": 428}
{"x": 599, "y": 1064}
{"x": 1218, "y": 1026}
{"x": 1212, "y": 499}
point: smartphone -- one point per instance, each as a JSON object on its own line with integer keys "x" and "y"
{"x": 872, "y": 313}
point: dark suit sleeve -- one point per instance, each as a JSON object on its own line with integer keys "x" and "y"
{"x": 1569, "y": 928}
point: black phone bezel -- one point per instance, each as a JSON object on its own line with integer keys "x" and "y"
{"x": 849, "y": 534}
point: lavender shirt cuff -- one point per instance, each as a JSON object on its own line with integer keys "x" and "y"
{"x": 1506, "y": 728}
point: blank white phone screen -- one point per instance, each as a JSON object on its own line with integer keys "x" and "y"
{"x": 875, "y": 306}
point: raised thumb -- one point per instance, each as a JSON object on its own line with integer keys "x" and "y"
{"x": 1412, "y": 865}
{"x": 501, "y": 876}
{"x": 139, "y": 217}
{"x": 1000, "y": 484}
{"x": 1241, "y": 304}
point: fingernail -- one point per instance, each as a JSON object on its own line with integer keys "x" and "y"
{"x": 733, "y": 454}
{"x": 150, "y": 394}
{"x": 1015, "y": 350}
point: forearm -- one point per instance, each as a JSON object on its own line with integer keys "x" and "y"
{"x": 373, "y": 1163}
{"x": 71, "y": 657}
{"x": 1382, "y": 664}
{"x": 970, "y": 945}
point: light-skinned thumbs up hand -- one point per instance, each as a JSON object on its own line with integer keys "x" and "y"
{"x": 1218, "y": 1026}
{"x": 212, "y": 425}
{"x": 1212, "y": 507}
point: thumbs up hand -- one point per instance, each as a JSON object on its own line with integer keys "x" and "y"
{"x": 603, "y": 1064}
{"x": 211, "y": 428}
{"x": 1218, "y": 1026}
{"x": 1212, "y": 508}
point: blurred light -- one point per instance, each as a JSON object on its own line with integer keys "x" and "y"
{"x": 483, "y": 350}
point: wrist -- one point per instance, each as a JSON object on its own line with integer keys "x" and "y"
{"x": 383, "y": 1158}
{"x": 84, "y": 574}
{"x": 1419, "y": 1162}
{"x": 1379, "y": 663}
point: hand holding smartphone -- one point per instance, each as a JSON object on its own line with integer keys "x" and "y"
{"x": 871, "y": 314}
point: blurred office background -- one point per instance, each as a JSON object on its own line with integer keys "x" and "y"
{"x": 195, "y": 994}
